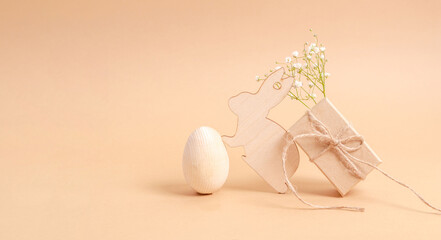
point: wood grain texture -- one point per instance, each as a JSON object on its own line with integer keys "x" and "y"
{"x": 205, "y": 161}
{"x": 262, "y": 138}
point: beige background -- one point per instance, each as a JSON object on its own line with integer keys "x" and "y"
{"x": 98, "y": 98}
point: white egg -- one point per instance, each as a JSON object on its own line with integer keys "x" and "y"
{"x": 205, "y": 162}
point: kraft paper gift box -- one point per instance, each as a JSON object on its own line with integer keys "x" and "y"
{"x": 321, "y": 146}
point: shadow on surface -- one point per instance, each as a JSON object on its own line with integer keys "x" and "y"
{"x": 302, "y": 184}
{"x": 249, "y": 186}
{"x": 179, "y": 189}
{"x": 417, "y": 209}
{"x": 315, "y": 186}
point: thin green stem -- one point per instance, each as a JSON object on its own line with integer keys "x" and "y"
{"x": 302, "y": 102}
{"x": 314, "y": 73}
{"x": 310, "y": 97}
{"x": 313, "y": 83}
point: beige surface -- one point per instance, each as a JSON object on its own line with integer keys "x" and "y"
{"x": 97, "y": 100}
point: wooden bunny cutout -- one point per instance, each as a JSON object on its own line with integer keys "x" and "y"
{"x": 262, "y": 138}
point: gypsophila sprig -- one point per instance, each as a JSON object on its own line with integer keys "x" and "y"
{"x": 307, "y": 66}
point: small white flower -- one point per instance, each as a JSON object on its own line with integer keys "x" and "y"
{"x": 322, "y": 56}
{"x": 308, "y": 57}
{"x": 310, "y": 84}
{"x": 297, "y": 65}
{"x": 287, "y": 59}
{"x": 327, "y": 74}
{"x": 306, "y": 65}
{"x": 257, "y": 78}
{"x": 313, "y": 45}
{"x": 322, "y": 49}
{"x": 316, "y": 49}
{"x": 313, "y": 95}
{"x": 295, "y": 54}
{"x": 298, "y": 84}
{"x": 277, "y": 68}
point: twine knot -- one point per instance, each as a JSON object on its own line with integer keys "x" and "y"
{"x": 332, "y": 141}
{"x": 341, "y": 146}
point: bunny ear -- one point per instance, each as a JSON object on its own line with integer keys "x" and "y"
{"x": 275, "y": 76}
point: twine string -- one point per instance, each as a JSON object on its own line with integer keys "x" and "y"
{"x": 343, "y": 151}
{"x": 339, "y": 145}
{"x": 293, "y": 190}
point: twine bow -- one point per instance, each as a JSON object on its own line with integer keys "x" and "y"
{"x": 338, "y": 144}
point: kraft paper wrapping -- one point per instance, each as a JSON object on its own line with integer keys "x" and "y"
{"x": 329, "y": 162}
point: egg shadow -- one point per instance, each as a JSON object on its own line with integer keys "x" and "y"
{"x": 175, "y": 189}
{"x": 249, "y": 186}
